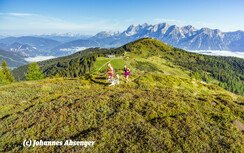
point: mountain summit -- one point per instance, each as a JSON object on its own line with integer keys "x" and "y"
{"x": 186, "y": 37}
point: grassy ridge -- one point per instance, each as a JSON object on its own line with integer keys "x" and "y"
{"x": 154, "y": 112}
{"x": 227, "y": 72}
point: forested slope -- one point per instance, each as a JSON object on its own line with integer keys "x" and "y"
{"x": 228, "y": 71}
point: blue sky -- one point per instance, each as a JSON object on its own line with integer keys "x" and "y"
{"x": 23, "y": 17}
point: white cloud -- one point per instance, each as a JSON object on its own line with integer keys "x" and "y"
{"x": 38, "y": 58}
{"x": 35, "y": 23}
{"x": 73, "y": 49}
{"x": 16, "y": 14}
{"x": 20, "y": 14}
{"x": 220, "y": 53}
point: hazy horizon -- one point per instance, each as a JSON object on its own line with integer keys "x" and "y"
{"x": 84, "y": 34}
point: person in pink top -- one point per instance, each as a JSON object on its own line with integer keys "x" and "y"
{"x": 127, "y": 73}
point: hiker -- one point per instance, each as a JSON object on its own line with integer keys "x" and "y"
{"x": 127, "y": 73}
{"x": 110, "y": 71}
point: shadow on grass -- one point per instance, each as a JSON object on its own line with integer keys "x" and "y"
{"x": 101, "y": 83}
{"x": 83, "y": 133}
{"x": 102, "y": 78}
{"x": 5, "y": 116}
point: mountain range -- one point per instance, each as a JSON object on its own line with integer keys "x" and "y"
{"x": 186, "y": 37}
{"x": 73, "y": 46}
{"x": 64, "y": 37}
{"x": 28, "y": 45}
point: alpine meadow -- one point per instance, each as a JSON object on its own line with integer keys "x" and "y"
{"x": 121, "y": 76}
{"x": 175, "y": 101}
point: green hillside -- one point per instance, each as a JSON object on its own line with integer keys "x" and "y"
{"x": 19, "y": 72}
{"x": 152, "y": 55}
{"x": 172, "y": 103}
{"x": 154, "y": 112}
{"x": 227, "y": 72}
{"x": 13, "y": 59}
{"x": 68, "y": 66}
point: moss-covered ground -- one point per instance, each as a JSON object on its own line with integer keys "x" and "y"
{"x": 154, "y": 112}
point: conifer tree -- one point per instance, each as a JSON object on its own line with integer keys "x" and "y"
{"x": 2, "y": 78}
{"x": 33, "y": 72}
{"x": 6, "y": 72}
